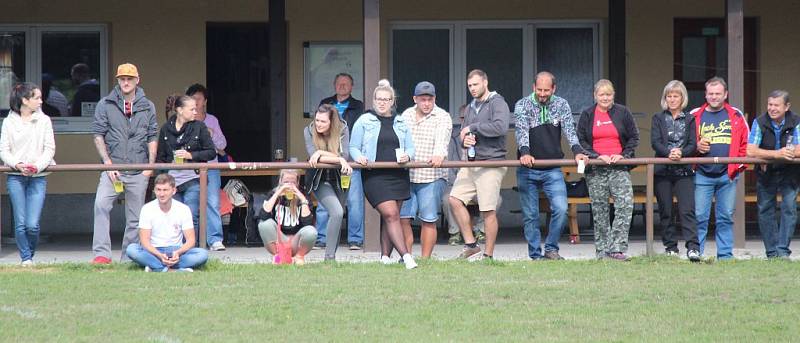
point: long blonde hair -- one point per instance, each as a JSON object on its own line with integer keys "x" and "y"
{"x": 331, "y": 141}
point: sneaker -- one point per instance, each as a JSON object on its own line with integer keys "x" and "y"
{"x": 101, "y": 260}
{"x": 185, "y": 270}
{"x": 618, "y": 256}
{"x": 147, "y": 269}
{"x": 480, "y": 237}
{"x": 386, "y": 259}
{"x": 470, "y": 253}
{"x": 355, "y": 246}
{"x": 552, "y": 255}
{"x": 671, "y": 253}
{"x": 693, "y": 255}
{"x": 299, "y": 260}
{"x": 408, "y": 260}
{"x": 27, "y": 263}
{"x": 318, "y": 246}
{"x": 217, "y": 246}
{"x": 455, "y": 239}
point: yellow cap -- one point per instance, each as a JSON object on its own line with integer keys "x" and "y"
{"x": 127, "y": 69}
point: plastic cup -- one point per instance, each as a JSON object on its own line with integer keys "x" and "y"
{"x": 178, "y": 159}
{"x": 581, "y": 166}
{"x": 399, "y": 152}
{"x": 345, "y": 179}
{"x": 118, "y": 186}
{"x": 289, "y": 196}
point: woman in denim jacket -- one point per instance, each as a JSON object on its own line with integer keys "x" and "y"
{"x": 380, "y": 135}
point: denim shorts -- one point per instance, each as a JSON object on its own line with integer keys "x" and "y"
{"x": 426, "y": 199}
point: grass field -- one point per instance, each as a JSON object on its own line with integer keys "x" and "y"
{"x": 657, "y": 299}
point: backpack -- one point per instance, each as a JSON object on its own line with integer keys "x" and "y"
{"x": 237, "y": 192}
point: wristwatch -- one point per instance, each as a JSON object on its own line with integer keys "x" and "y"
{"x": 304, "y": 202}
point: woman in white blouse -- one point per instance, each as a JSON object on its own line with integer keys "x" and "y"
{"x": 27, "y": 146}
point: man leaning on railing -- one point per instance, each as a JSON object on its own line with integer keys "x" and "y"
{"x": 775, "y": 137}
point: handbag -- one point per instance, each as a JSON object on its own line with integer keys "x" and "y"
{"x": 577, "y": 189}
{"x": 283, "y": 249}
{"x": 237, "y": 192}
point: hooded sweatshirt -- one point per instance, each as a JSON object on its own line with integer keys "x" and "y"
{"x": 488, "y": 120}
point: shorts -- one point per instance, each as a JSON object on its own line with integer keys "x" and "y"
{"x": 426, "y": 199}
{"x": 481, "y": 182}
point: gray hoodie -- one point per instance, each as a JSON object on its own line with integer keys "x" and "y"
{"x": 126, "y": 139}
{"x": 489, "y": 121}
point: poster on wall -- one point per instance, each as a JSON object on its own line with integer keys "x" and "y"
{"x": 322, "y": 62}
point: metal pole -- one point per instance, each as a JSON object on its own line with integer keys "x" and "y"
{"x": 648, "y": 217}
{"x": 735, "y": 25}
{"x": 203, "y": 206}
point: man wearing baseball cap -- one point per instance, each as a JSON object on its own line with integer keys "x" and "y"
{"x": 430, "y": 130}
{"x": 125, "y": 131}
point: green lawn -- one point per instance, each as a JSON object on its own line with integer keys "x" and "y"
{"x": 644, "y": 300}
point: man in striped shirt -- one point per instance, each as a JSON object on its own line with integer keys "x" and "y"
{"x": 430, "y": 130}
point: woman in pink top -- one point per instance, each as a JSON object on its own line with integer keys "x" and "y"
{"x": 607, "y": 131}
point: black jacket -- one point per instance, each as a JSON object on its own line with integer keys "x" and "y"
{"x": 354, "y": 110}
{"x": 193, "y": 137}
{"x": 768, "y": 138}
{"x": 659, "y": 138}
{"x": 623, "y": 121}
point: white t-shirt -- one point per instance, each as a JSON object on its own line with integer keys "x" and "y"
{"x": 166, "y": 227}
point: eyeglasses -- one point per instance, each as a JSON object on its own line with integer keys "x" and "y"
{"x": 383, "y": 99}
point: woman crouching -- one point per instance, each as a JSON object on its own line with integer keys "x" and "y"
{"x": 287, "y": 210}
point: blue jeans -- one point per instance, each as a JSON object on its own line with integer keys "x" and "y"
{"x": 724, "y": 190}
{"x": 191, "y": 258}
{"x": 551, "y": 182}
{"x": 355, "y": 213}
{"x": 426, "y": 200}
{"x": 27, "y": 199}
{"x": 191, "y": 197}
{"x": 213, "y": 219}
{"x": 777, "y": 237}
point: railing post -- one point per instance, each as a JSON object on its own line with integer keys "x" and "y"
{"x": 648, "y": 217}
{"x": 203, "y": 206}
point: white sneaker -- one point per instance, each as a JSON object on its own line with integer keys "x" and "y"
{"x": 386, "y": 259}
{"x": 217, "y": 246}
{"x": 147, "y": 269}
{"x": 693, "y": 255}
{"x": 27, "y": 263}
{"x": 186, "y": 270}
{"x": 409, "y": 261}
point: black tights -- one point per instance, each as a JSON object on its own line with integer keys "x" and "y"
{"x": 391, "y": 231}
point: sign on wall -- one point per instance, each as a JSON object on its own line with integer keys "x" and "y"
{"x": 322, "y": 61}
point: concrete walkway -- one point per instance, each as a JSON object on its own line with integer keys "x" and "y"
{"x": 78, "y": 249}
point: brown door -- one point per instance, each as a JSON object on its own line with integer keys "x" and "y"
{"x": 237, "y": 70}
{"x": 701, "y": 52}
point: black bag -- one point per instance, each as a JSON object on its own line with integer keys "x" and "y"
{"x": 252, "y": 237}
{"x": 577, "y": 189}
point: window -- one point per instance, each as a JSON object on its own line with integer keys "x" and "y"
{"x": 69, "y": 63}
{"x": 510, "y": 52}
{"x": 568, "y": 52}
{"x": 432, "y": 66}
{"x": 498, "y": 52}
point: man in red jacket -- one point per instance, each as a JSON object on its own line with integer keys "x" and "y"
{"x": 722, "y": 132}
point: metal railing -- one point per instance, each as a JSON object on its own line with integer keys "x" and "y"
{"x": 260, "y": 166}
